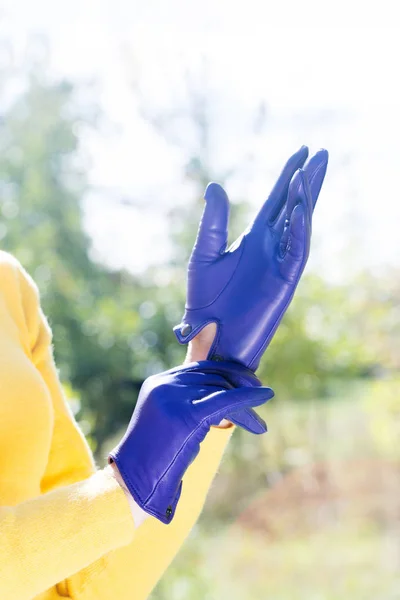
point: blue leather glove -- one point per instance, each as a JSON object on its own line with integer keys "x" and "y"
{"x": 174, "y": 413}
{"x": 246, "y": 289}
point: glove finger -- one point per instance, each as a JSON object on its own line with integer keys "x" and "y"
{"x": 193, "y": 379}
{"x": 248, "y": 419}
{"x": 215, "y": 406}
{"x": 295, "y": 244}
{"x": 236, "y": 373}
{"x": 277, "y": 198}
{"x": 212, "y": 235}
{"x": 315, "y": 169}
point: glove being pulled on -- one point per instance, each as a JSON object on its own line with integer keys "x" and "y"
{"x": 246, "y": 289}
{"x": 173, "y": 415}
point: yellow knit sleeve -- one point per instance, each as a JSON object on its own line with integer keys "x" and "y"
{"x": 70, "y": 459}
{"x": 46, "y": 539}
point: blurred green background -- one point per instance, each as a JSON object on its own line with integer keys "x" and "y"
{"x": 102, "y": 209}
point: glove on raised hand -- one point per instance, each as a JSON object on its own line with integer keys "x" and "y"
{"x": 174, "y": 413}
{"x": 246, "y": 289}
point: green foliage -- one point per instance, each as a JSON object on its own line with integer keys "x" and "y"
{"x": 111, "y": 330}
{"x": 382, "y": 403}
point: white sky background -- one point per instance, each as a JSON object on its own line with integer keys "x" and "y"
{"x": 320, "y": 62}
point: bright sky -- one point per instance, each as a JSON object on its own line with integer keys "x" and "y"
{"x": 334, "y": 64}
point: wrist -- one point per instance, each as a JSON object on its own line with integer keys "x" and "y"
{"x": 199, "y": 347}
{"x": 138, "y": 514}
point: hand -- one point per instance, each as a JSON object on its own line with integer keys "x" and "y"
{"x": 246, "y": 289}
{"x": 174, "y": 413}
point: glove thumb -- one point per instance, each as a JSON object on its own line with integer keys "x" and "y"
{"x": 212, "y": 236}
{"x": 249, "y": 420}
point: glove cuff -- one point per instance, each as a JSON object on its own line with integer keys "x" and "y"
{"x": 150, "y": 504}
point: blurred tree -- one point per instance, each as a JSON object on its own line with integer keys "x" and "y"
{"x": 102, "y": 320}
{"x": 111, "y": 330}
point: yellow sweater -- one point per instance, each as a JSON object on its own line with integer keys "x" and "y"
{"x": 65, "y": 529}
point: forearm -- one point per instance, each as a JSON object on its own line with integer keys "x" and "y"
{"x": 132, "y": 571}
